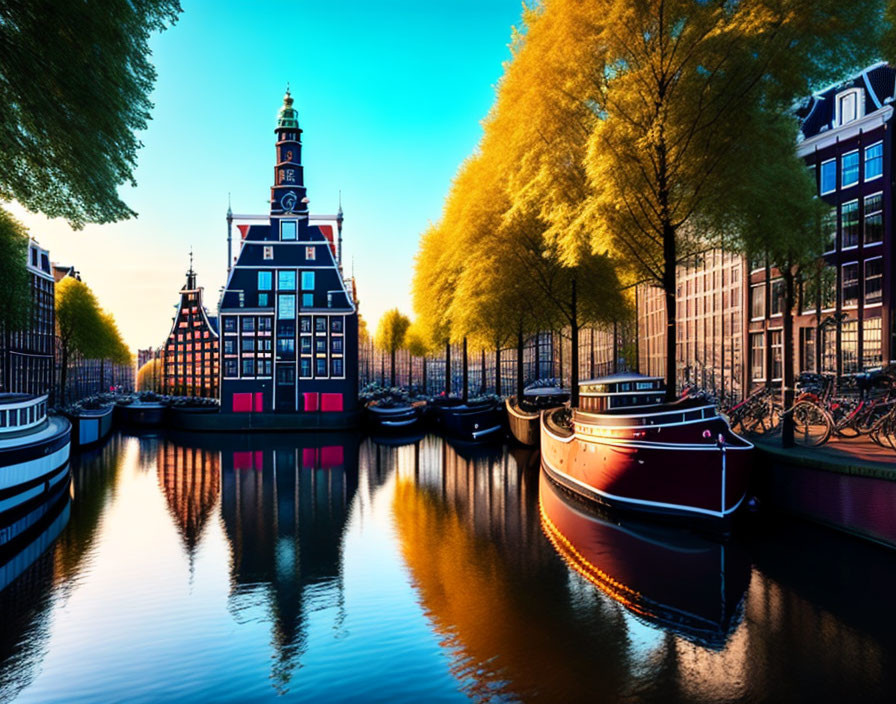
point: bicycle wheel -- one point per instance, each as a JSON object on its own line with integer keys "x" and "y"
{"x": 811, "y": 424}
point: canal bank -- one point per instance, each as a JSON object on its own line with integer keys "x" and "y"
{"x": 844, "y": 485}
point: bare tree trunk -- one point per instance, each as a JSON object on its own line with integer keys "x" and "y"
{"x": 392, "y": 367}
{"x": 497, "y": 369}
{"x": 482, "y": 371}
{"x": 448, "y": 368}
{"x": 520, "y": 345}
{"x": 787, "y": 377}
{"x": 671, "y": 313}
{"x": 574, "y": 352}
{"x": 465, "y": 395}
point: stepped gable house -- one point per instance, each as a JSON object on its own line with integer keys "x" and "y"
{"x": 288, "y": 323}
{"x": 191, "y": 351}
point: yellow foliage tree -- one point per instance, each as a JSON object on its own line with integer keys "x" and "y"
{"x": 149, "y": 376}
{"x": 390, "y": 335}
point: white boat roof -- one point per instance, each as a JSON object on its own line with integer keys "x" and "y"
{"x": 621, "y": 377}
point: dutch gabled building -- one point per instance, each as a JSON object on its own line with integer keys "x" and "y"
{"x": 190, "y": 355}
{"x": 288, "y": 323}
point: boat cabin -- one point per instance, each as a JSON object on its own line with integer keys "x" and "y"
{"x": 620, "y": 391}
{"x": 21, "y": 412}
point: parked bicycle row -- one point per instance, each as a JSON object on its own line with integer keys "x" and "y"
{"x": 823, "y": 407}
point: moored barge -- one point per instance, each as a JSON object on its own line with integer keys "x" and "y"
{"x": 471, "y": 421}
{"x": 524, "y": 416}
{"x": 626, "y": 448}
{"x": 34, "y": 451}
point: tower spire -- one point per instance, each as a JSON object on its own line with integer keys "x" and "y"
{"x": 339, "y": 219}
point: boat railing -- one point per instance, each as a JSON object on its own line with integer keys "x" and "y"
{"x": 642, "y": 419}
{"x": 20, "y": 412}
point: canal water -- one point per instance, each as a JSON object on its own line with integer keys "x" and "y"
{"x": 331, "y": 568}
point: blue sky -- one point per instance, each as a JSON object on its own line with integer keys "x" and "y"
{"x": 390, "y": 98}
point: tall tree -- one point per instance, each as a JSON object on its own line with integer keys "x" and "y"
{"x": 149, "y": 376}
{"x": 15, "y": 303}
{"x": 675, "y": 137}
{"x": 778, "y": 218}
{"x": 79, "y": 325}
{"x": 417, "y": 345}
{"x": 75, "y": 80}
{"x": 390, "y": 335}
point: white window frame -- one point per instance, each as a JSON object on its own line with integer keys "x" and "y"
{"x": 750, "y": 302}
{"x": 879, "y": 303}
{"x": 865, "y": 151}
{"x": 771, "y": 352}
{"x": 860, "y": 106}
{"x": 861, "y": 224}
{"x": 821, "y": 176}
{"x": 843, "y": 305}
{"x": 843, "y": 170}
{"x": 865, "y": 215}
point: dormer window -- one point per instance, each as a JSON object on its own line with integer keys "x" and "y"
{"x": 849, "y": 106}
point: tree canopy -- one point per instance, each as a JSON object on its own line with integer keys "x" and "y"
{"x": 149, "y": 376}
{"x": 390, "y": 335}
{"x": 75, "y": 80}
{"x": 15, "y": 302}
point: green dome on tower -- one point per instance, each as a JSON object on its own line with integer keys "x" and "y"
{"x": 288, "y": 116}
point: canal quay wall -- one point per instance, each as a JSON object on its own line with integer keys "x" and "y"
{"x": 845, "y": 489}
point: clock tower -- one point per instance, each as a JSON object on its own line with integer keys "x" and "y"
{"x": 288, "y": 192}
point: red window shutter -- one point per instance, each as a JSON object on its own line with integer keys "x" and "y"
{"x": 259, "y": 402}
{"x": 331, "y": 402}
{"x": 310, "y": 400}
{"x": 242, "y": 403}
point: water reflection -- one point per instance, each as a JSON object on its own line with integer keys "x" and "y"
{"x": 669, "y": 576}
{"x": 26, "y": 575}
{"x": 190, "y": 477}
{"x": 284, "y": 507}
{"x": 493, "y": 587}
{"x": 251, "y": 567}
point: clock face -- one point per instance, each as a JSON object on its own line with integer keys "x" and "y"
{"x": 288, "y": 201}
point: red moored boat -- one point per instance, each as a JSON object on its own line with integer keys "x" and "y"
{"x": 625, "y": 448}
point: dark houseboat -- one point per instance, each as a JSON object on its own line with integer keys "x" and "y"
{"x": 146, "y": 412}
{"x": 91, "y": 422}
{"x": 668, "y": 576}
{"x": 468, "y": 421}
{"x": 524, "y": 417}
{"x": 383, "y": 416}
{"x": 34, "y": 452}
{"x": 624, "y": 447}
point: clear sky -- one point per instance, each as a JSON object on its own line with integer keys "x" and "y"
{"x": 390, "y": 97}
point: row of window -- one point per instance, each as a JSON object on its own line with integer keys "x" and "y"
{"x": 826, "y": 289}
{"x": 321, "y": 368}
{"x": 850, "y": 230}
{"x": 263, "y": 324}
{"x": 809, "y": 353}
{"x": 286, "y": 280}
{"x": 850, "y": 168}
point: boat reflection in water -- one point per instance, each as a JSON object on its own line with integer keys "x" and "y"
{"x": 493, "y": 587}
{"x": 285, "y": 503}
{"x": 688, "y": 584}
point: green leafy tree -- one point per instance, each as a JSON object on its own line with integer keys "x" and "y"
{"x": 75, "y": 79}
{"x": 779, "y": 219}
{"x": 15, "y": 302}
{"x": 79, "y": 325}
{"x": 390, "y": 335}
